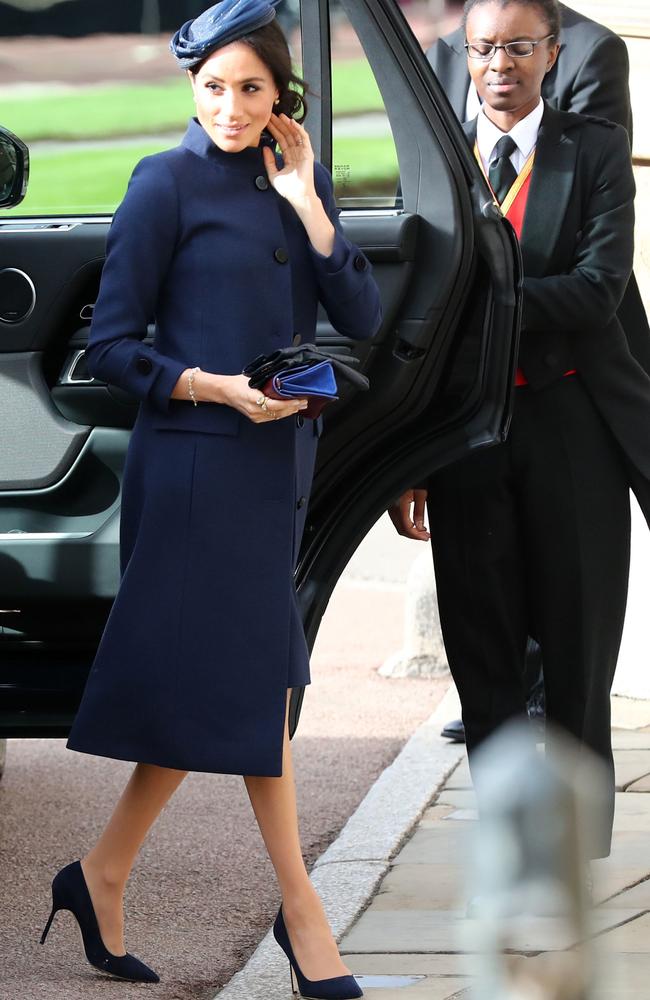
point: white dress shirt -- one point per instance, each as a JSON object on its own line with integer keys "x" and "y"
{"x": 524, "y": 133}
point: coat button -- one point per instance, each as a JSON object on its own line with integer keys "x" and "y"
{"x": 144, "y": 366}
{"x": 301, "y": 503}
{"x": 300, "y": 420}
{"x": 551, "y": 360}
{"x": 297, "y": 339}
{"x": 281, "y": 255}
{"x": 360, "y": 262}
{"x": 262, "y": 183}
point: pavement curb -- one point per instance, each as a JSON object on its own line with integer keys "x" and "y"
{"x": 348, "y": 874}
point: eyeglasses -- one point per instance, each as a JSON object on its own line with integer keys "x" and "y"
{"x": 516, "y": 50}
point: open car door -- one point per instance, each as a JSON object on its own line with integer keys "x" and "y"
{"x": 447, "y": 264}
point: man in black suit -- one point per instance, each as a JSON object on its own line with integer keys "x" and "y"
{"x": 590, "y": 76}
{"x": 533, "y": 536}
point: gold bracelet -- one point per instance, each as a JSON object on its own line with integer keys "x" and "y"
{"x": 190, "y": 383}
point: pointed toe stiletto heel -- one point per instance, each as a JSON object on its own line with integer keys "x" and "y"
{"x": 70, "y": 892}
{"x": 338, "y": 988}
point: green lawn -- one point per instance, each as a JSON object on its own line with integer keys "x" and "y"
{"x": 80, "y": 182}
{"x": 146, "y": 109}
{"x": 94, "y": 180}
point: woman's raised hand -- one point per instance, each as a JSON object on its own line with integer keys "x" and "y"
{"x": 295, "y": 181}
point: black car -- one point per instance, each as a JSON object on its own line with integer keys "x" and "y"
{"x": 441, "y": 368}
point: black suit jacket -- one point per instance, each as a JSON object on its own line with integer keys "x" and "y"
{"x": 577, "y": 246}
{"x": 590, "y": 75}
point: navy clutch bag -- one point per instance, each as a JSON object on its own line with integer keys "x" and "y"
{"x": 307, "y": 372}
{"x": 316, "y": 383}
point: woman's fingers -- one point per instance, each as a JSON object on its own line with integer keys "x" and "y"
{"x": 278, "y": 128}
{"x": 291, "y": 136}
{"x": 274, "y": 409}
{"x": 302, "y": 135}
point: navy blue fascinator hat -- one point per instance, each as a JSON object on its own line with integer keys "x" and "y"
{"x": 221, "y": 24}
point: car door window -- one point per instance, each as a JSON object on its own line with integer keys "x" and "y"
{"x": 364, "y": 157}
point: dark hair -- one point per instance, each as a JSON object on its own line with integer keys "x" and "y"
{"x": 270, "y": 46}
{"x": 549, "y": 9}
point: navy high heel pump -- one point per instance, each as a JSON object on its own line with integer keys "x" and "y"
{"x": 70, "y": 892}
{"x": 338, "y": 988}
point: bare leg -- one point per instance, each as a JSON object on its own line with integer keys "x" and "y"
{"x": 274, "y": 805}
{"x": 107, "y": 865}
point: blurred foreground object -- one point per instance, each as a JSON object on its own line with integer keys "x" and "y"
{"x": 538, "y": 812}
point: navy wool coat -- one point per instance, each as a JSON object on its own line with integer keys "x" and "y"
{"x": 204, "y": 636}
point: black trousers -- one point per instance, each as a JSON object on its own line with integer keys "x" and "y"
{"x": 533, "y": 538}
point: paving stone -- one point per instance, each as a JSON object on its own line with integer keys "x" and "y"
{"x": 631, "y": 739}
{"x": 448, "y": 930}
{"x": 453, "y": 965}
{"x": 624, "y": 977}
{"x": 426, "y": 989}
{"x": 642, "y": 785}
{"x": 610, "y": 880}
{"x": 638, "y": 896}
{"x": 434, "y": 814}
{"x": 460, "y": 798}
{"x": 632, "y": 936}
{"x": 416, "y": 886}
{"x": 630, "y": 713}
{"x": 430, "y": 931}
{"x": 442, "y": 844}
{"x": 632, "y": 812}
{"x": 630, "y": 765}
{"x": 463, "y": 815}
{"x": 461, "y": 777}
{"x": 630, "y": 850}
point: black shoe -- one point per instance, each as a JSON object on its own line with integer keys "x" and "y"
{"x": 454, "y": 731}
{"x": 337, "y": 988}
{"x": 70, "y": 892}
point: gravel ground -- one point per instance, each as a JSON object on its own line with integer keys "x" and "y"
{"x": 202, "y": 894}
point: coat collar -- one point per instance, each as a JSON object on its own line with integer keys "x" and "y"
{"x": 198, "y": 141}
{"x": 550, "y": 184}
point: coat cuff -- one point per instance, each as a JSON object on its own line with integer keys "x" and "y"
{"x": 345, "y": 267}
{"x": 152, "y": 376}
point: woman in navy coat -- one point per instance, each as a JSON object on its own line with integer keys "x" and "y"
{"x": 230, "y": 248}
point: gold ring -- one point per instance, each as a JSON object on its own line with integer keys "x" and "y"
{"x": 260, "y": 400}
{"x": 264, "y": 405}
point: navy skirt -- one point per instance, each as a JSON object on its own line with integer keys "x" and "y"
{"x": 204, "y": 637}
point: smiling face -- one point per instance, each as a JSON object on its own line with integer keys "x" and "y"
{"x": 510, "y": 87}
{"x": 234, "y": 93}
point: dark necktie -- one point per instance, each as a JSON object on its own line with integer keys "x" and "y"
{"x": 502, "y": 174}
